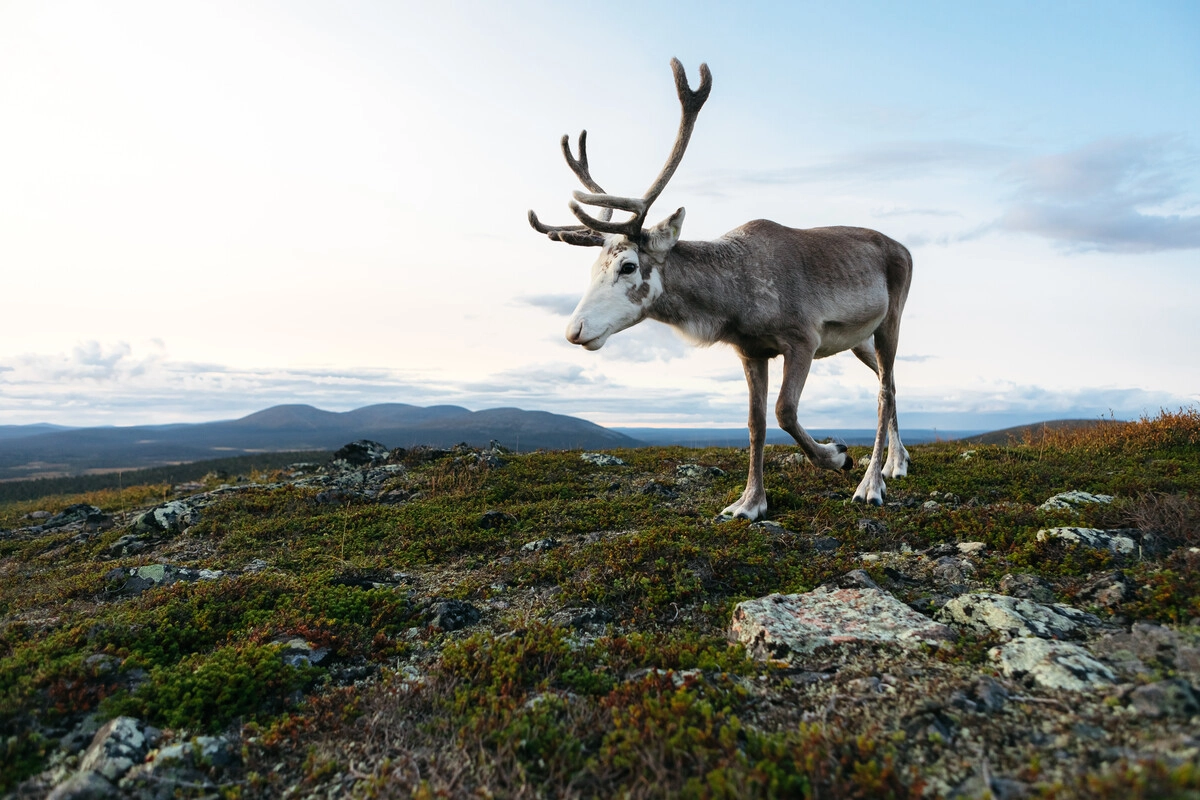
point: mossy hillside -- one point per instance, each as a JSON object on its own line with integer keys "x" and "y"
{"x": 521, "y": 702}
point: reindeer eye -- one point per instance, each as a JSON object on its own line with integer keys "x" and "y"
{"x": 627, "y": 268}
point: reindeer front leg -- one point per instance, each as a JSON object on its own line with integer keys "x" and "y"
{"x": 753, "y": 502}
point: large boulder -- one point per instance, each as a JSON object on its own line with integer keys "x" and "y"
{"x": 782, "y": 626}
{"x": 172, "y": 517}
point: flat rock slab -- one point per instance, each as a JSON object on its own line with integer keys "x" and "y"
{"x": 1014, "y": 616}
{"x": 602, "y": 460}
{"x": 1071, "y": 501}
{"x": 1118, "y": 541}
{"x": 784, "y": 625}
{"x": 1053, "y": 665}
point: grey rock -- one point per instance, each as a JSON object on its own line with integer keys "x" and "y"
{"x": 256, "y": 565}
{"x": 1012, "y": 616}
{"x": 80, "y": 512}
{"x": 1118, "y": 541}
{"x": 81, "y": 735}
{"x": 453, "y": 615}
{"x": 656, "y": 489}
{"x": 876, "y": 527}
{"x": 583, "y": 618}
{"x": 825, "y": 544}
{"x": 854, "y": 579}
{"x": 602, "y": 460}
{"x": 693, "y": 471}
{"x": 1169, "y": 698}
{"x": 781, "y": 626}
{"x": 118, "y": 745}
{"x": 1031, "y": 587}
{"x": 38, "y": 515}
{"x": 1106, "y": 588}
{"x": 1052, "y": 665}
{"x": 127, "y": 545}
{"x": 87, "y": 785}
{"x": 361, "y": 453}
{"x": 1073, "y": 500}
{"x": 296, "y": 651}
{"x": 548, "y": 543}
{"x": 172, "y": 517}
{"x": 135, "y": 580}
{"x": 971, "y": 548}
{"x": 949, "y": 569}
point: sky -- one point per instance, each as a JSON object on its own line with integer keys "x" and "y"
{"x": 209, "y": 208}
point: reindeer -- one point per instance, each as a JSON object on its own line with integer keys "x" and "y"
{"x": 764, "y": 289}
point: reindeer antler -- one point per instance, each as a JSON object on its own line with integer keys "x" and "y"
{"x": 574, "y": 234}
{"x": 690, "y": 103}
{"x": 589, "y": 233}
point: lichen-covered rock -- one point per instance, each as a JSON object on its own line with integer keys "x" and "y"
{"x": 602, "y": 460}
{"x": 361, "y": 453}
{"x": 452, "y": 615}
{"x": 1013, "y": 616}
{"x": 780, "y": 626}
{"x": 1118, "y": 541}
{"x": 1073, "y": 500}
{"x": 1031, "y": 587}
{"x": 1169, "y": 698}
{"x": 172, "y": 517}
{"x": 1052, "y": 665}
{"x": 119, "y": 745}
{"x": 297, "y": 651}
{"x": 1149, "y": 647}
{"x": 135, "y": 580}
{"x": 84, "y": 786}
{"x": 1106, "y": 588}
{"x": 693, "y": 471}
{"x": 80, "y": 512}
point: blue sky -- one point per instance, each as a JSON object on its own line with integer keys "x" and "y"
{"x": 206, "y": 209}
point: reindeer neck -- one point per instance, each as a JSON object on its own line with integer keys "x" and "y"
{"x": 699, "y": 278}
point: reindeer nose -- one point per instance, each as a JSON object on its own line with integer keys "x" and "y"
{"x": 575, "y": 332}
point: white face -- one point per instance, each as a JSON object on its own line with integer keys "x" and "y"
{"x": 623, "y": 287}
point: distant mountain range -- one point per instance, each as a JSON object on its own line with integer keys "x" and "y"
{"x": 30, "y": 451}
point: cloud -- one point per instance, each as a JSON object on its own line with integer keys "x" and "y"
{"x": 560, "y": 304}
{"x": 1117, "y": 195}
{"x": 892, "y": 161}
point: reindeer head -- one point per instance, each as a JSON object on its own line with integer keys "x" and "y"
{"x": 627, "y": 276}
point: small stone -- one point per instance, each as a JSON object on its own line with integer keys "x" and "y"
{"x": 780, "y": 626}
{"x": 580, "y": 618}
{"x": 299, "y": 652}
{"x": 931, "y": 505}
{"x": 453, "y": 615}
{"x": 602, "y": 460}
{"x": 966, "y": 455}
{"x": 1014, "y": 617}
{"x": 876, "y": 527}
{"x": 548, "y": 543}
{"x": 950, "y": 569}
{"x": 656, "y": 489}
{"x": 1114, "y": 541}
{"x": 825, "y": 544}
{"x": 854, "y": 579}
{"x": 38, "y": 515}
{"x": 1071, "y": 501}
{"x": 971, "y": 548}
{"x": 1052, "y": 665}
{"x": 1031, "y": 587}
{"x": 256, "y": 565}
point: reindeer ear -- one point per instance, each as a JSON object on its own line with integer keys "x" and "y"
{"x": 662, "y": 237}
